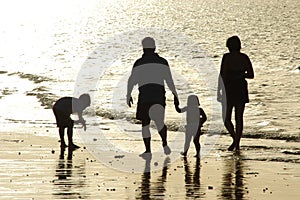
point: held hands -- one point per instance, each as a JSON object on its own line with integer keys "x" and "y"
{"x": 129, "y": 101}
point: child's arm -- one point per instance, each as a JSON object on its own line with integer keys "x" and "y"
{"x": 81, "y": 120}
{"x": 179, "y": 110}
{"x": 203, "y": 117}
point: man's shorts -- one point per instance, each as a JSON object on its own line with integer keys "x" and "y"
{"x": 150, "y": 111}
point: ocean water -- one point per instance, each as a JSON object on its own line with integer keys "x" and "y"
{"x": 53, "y": 49}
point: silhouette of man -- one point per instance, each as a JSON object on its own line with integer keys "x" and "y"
{"x": 62, "y": 110}
{"x": 150, "y": 72}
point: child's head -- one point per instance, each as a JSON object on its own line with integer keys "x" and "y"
{"x": 193, "y": 101}
{"x": 85, "y": 99}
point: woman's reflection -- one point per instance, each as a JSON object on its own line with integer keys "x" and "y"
{"x": 233, "y": 186}
{"x": 69, "y": 177}
{"x": 158, "y": 187}
{"x": 192, "y": 180}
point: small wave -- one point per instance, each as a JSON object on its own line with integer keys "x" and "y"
{"x": 292, "y": 152}
{"x": 32, "y": 77}
{"x": 43, "y": 95}
{"x": 115, "y": 115}
{"x": 3, "y": 72}
{"x": 272, "y": 136}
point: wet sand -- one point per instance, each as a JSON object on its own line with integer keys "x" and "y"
{"x": 34, "y": 167}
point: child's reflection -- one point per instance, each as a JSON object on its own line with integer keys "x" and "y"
{"x": 192, "y": 180}
{"x": 69, "y": 178}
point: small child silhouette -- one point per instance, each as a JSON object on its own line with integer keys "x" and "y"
{"x": 62, "y": 110}
{"x": 195, "y": 118}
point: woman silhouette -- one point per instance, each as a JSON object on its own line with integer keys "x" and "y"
{"x": 233, "y": 88}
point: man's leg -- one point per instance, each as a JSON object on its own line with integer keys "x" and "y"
{"x": 146, "y": 135}
{"x": 157, "y": 114}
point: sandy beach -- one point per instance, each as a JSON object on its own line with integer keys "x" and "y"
{"x": 34, "y": 167}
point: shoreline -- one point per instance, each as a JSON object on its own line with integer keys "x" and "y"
{"x": 33, "y": 167}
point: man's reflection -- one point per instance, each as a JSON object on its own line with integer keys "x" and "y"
{"x": 192, "y": 180}
{"x": 69, "y": 178}
{"x": 233, "y": 178}
{"x": 158, "y": 187}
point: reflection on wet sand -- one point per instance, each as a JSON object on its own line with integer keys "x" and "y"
{"x": 70, "y": 178}
{"x": 155, "y": 189}
{"x": 233, "y": 186}
{"x": 192, "y": 180}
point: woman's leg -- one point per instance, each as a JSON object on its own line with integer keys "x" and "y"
{"x": 227, "y": 112}
{"x": 239, "y": 113}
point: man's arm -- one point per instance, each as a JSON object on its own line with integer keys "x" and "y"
{"x": 129, "y": 99}
{"x": 130, "y": 84}
{"x": 170, "y": 82}
{"x": 171, "y": 86}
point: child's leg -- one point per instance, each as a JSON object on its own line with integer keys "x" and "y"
{"x": 61, "y": 131}
{"x": 197, "y": 143}
{"x": 70, "y": 135}
{"x": 188, "y": 138}
{"x": 70, "y": 138}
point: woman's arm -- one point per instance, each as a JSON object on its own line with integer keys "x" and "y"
{"x": 249, "y": 69}
{"x": 220, "y": 89}
{"x": 203, "y": 116}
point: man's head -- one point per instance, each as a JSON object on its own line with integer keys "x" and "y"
{"x": 85, "y": 100}
{"x": 148, "y": 44}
